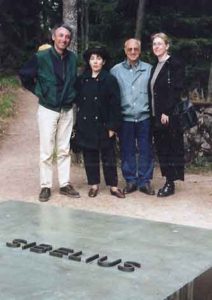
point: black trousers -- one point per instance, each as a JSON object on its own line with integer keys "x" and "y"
{"x": 170, "y": 151}
{"x": 92, "y": 165}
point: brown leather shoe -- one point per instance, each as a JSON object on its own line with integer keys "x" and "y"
{"x": 93, "y": 192}
{"x": 69, "y": 191}
{"x": 118, "y": 193}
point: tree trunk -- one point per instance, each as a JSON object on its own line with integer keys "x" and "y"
{"x": 82, "y": 28}
{"x": 139, "y": 19}
{"x": 86, "y": 24}
{"x": 209, "y": 98}
{"x": 70, "y": 17}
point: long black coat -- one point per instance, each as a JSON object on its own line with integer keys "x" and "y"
{"x": 98, "y": 109}
{"x": 169, "y": 139}
{"x": 168, "y": 87}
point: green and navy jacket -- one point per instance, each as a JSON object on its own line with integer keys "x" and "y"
{"x": 51, "y": 78}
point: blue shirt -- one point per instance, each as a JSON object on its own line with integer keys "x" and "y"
{"x": 133, "y": 82}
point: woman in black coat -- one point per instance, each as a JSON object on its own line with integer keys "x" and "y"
{"x": 166, "y": 85}
{"x": 98, "y": 119}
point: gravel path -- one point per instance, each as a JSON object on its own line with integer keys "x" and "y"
{"x": 19, "y": 180}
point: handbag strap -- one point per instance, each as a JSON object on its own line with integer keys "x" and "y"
{"x": 169, "y": 77}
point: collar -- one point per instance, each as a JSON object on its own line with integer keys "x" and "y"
{"x": 164, "y": 60}
{"x": 138, "y": 66}
{"x": 101, "y": 76}
{"x": 59, "y": 56}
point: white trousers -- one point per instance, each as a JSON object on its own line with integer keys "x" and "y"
{"x": 55, "y": 132}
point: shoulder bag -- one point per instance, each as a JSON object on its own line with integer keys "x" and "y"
{"x": 185, "y": 112}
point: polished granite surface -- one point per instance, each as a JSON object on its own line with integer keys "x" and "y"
{"x": 171, "y": 256}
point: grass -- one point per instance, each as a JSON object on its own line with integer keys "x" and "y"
{"x": 8, "y": 82}
{"x": 8, "y": 86}
{"x": 6, "y": 105}
{"x": 200, "y": 165}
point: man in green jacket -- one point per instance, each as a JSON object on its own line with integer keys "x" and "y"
{"x": 50, "y": 74}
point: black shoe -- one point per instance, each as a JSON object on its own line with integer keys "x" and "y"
{"x": 69, "y": 191}
{"x": 130, "y": 188}
{"x": 93, "y": 192}
{"x": 167, "y": 190}
{"x": 147, "y": 189}
{"x": 45, "y": 194}
{"x": 118, "y": 193}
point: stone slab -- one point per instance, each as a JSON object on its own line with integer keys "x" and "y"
{"x": 170, "y": 255}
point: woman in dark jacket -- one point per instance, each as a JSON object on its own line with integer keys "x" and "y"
{"x": 166, "y": 85}
{"x": 98, "y": 119}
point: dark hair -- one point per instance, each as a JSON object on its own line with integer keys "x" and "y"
{"x": 64, "y": 25}
{"x": 100, "y": 51}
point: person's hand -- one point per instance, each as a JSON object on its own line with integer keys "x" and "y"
{"x": 164, "y": 119}
{"x": 111, "y": 133}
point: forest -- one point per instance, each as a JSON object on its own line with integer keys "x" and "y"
{"x": 24, "y": 25}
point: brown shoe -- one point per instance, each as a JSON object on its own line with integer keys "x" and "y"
{"x": 93, "y": 192}
{"x": 118, "y": 193}
{"x": 45, "y": 194}
{"x": 69, "y": 191}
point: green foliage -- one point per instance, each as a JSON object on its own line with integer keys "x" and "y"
{"x": 8, "y": 82}
{"x": 8, "y": 85}
{"x": 188, "y": 25}
{"x": 19, "y": 29}
{"x": 24, "y": 25}
{"x": 200, "y": 165}
{"x": 50, "y": 14}
{"x": 6, "y": 105}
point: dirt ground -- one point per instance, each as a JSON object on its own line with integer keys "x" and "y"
{"x": 19, "y": 180}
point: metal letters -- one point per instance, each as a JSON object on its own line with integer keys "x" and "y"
{"x": 128, "y": 266}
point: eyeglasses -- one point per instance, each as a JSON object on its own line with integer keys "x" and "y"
{"x": 132, "y": 49}
{"x": 154, "y": 44}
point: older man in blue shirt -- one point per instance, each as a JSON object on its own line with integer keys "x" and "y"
{"x": 135, "y": 134}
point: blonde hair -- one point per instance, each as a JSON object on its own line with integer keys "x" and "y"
{"x": 161, "y": 35}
